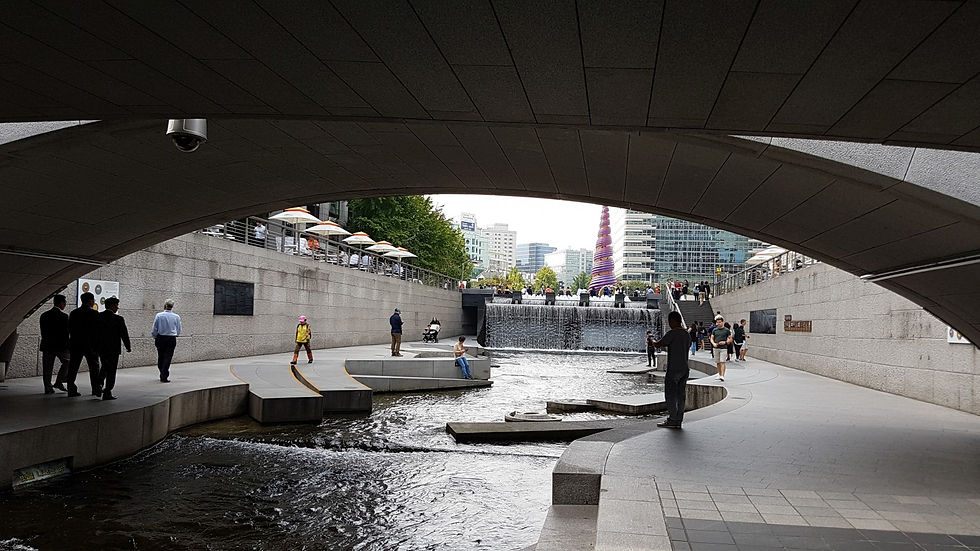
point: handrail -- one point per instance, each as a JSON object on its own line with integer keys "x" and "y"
{"x": 789, "y": 261}
{"x": 674, "y": 307}
{"x": 284, "y": 238}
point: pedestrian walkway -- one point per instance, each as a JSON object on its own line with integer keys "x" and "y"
{"x": 789, "y": 460}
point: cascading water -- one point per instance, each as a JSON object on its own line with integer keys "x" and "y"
{"x": 570, "y": 327}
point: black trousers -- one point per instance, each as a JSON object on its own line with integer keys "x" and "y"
{"x": 75, "y": 361}
{"x": 109, "y": 364}
{"x": 650, "y": 352}
{"x": 675, "y": 394}
{"x": 47, "y": 366}
{"x": 165, "y": 354}
{"x": 738, "y": 349}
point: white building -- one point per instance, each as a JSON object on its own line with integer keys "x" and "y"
{"x": 633, "y": 244}
{"x": 477, "y": 244}
{"x": 503, "y": 248}
{"x": 569, "y": 263}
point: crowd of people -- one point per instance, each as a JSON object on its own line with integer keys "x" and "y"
{"x": 98, "y": 338}
{"x": 701, "y": 291}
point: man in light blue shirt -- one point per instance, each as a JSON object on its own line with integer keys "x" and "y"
{"x": 166, "y": 327}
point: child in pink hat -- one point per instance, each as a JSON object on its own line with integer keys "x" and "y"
{"x": 303, "y": 336}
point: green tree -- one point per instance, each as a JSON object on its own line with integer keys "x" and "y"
{"x": 545, "y": 277}
{"x": 515, "y": 278}
{"x": 581, "y": 281}
{"x": 413, "y": 222}
{"x": 634, "y": 285}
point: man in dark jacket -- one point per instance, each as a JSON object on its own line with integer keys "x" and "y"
{"x": 54, "y": 344}
{"x": 112, "y": 330}
{"x": 396, "y": 332}
{"x": 677, "y": 342}
{"x": 83, "y": 341}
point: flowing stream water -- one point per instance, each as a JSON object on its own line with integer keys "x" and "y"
{"x": 389, "y": 480}
{"x": 531, "y": 326}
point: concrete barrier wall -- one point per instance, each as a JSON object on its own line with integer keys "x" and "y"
{"x": 862, "y": 334}
{"x": 345, "y": 307}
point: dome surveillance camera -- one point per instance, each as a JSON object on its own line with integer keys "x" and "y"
{"x": 188, "y": 134}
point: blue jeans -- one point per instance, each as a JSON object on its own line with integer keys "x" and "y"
{"x": 694, "y": 347}
{"x": 465, "y": 366}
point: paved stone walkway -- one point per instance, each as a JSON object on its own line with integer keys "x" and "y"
{"x": 790, "y": 460}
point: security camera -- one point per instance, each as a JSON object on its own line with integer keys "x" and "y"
{"x": 188, "y": 134}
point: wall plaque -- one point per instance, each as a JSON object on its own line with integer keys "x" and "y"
{"x": 233, "y": 298}
{"x": 797, "y": 326}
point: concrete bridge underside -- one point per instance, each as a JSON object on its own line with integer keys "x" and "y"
{"x": 628, "y": 104}
{"x": 95, "y": 192}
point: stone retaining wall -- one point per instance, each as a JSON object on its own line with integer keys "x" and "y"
{"x": 862, "y": 334}
{"x": 345, "y": 307}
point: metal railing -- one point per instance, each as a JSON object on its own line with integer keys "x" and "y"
{"x": 284, "y": 238}
{"x": 668, "y": 291}
{"x": 757, "y": 273}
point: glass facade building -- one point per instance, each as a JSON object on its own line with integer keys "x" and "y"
{"x": 530, "y": 256}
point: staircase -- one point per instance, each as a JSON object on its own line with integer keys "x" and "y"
{"x": 693, "y": 312}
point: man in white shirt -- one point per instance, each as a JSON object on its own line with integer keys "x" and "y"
{"x": 166, "y": 328}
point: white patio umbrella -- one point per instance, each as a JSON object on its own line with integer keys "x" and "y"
{"x": 328, "y": 227}
{"x": 399, "y": 253}
{"x": 766, "y": 254}
{"x": 359, "y": 238}
{"x": 296, "y": 215}
{"x": 382, "y": 247}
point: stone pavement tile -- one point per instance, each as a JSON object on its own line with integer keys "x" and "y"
{"x": 935, "y": 539}
{"x": 827, "y": 522}
{"x": 913, "y": 526}
{"x": 776, "y": 509}
{"x": 699, "y": 514}
{"x": 680, "y": 546}
{"x": 818, "y": 511}
{"x": 726, "y": 490}
{"x": 628, "y": 487}
{"x": 672, "y": 511}
{"x": 753, "y": 541}
{"x": 870, "y": 523}
{"x": 762, "y": 492}
{"x": 619, "y": 541}
{"x": 860, "y": 514}
{"x": 687, "y": 487}
{"x": 971, "y": 540}
{"x": 702, "y": 505}
{"x": 791, "y": 520}
{"x": 803, "y": 542}
{"x": 748, "y": 528}
{"x": 709, "y": 536}
{"x": 713, "y": 547}
{"x": 709, "y": 525}
{"x": 806, "y": 502}
{"x": 847, "y": 504}
{"x": 737, "y": 516}
{"x": 637, "y": 517}
{"x": 730, "y": 498}
{"x": 737, "y": 507}
{"x": 800, "y": 494}
{"x": 664, "y": 494}
{"x": 769, "y": 500}
{"x": 915, "y": 500}
{"x": 836, "y": 495}
{"x": 897, "y": 515}
{"x": 692, "y": 496}
{"x": 556, "y": 540}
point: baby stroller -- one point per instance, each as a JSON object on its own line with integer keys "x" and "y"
{"x": 431, "y": 333}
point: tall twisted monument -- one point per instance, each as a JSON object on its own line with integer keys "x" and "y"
{"x": 602, "y": 267}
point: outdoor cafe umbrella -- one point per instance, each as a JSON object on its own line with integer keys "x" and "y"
{"x": 382, "y": 247}
{"x": 295, "y": 215}
{"x": 328, "y": 227}
{"x": 399, "y": 254}
{"x": 359, "y": 238}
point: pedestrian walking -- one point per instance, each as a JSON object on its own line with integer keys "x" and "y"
{"x": 259, "y": 233}
{"x": 745, "y": 345}
{"x": 166, "y": 329}
{"x": 303, "y": 336}
{"x": 54, "y": 344}
{"x": 694, "y": 332}
{"x": 459, "y": 351}
{"x": 396, "y": 332}
{"x": 83, "y": 342}
{"x": 651, "y": 348}
{"x": 731, "y": 346}
{"x": 676, "y": 341}
{"x": 720, "y": 337}
{"x": 112, "y": 332}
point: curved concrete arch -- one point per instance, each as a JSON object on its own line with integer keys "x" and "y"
{"x": 92, "y": 193}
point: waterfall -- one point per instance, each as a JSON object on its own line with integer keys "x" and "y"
{"x": 570, "y": 327}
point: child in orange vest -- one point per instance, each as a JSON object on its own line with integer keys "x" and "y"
{"x": 303, "y": 336}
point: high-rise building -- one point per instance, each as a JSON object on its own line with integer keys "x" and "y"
{"x": 651, "y": 247}
{"x": 530, "y": 256}
{"x": 477, "y": 244}
{"x": 634, "y": 243}
{"x": 569, "y": 263}
{"x": 503, "y": 248}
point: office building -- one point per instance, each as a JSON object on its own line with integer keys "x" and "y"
{"x": 502, "y": 248}
{"x": 477, "y": 244}
{"x": 530, "y": 256}
{"x": 569, "y": 263}
{"x": 633, "y": 244}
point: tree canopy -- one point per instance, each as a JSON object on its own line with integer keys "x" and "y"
{"x": 413, "y": 222}
{"x": 545, "y": 277}
{"x": 582, "y": 281}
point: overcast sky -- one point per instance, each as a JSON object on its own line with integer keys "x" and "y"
{"x": 562, "y": 224}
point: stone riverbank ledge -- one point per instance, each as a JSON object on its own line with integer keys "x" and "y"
{"x": 786, "y": 460}
{"x": 43, "y": 435}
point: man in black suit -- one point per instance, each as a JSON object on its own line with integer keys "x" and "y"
{"x": 112, "y": 330}
{"x": 54, "y": 343}
{"x": 83, "y": 341}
